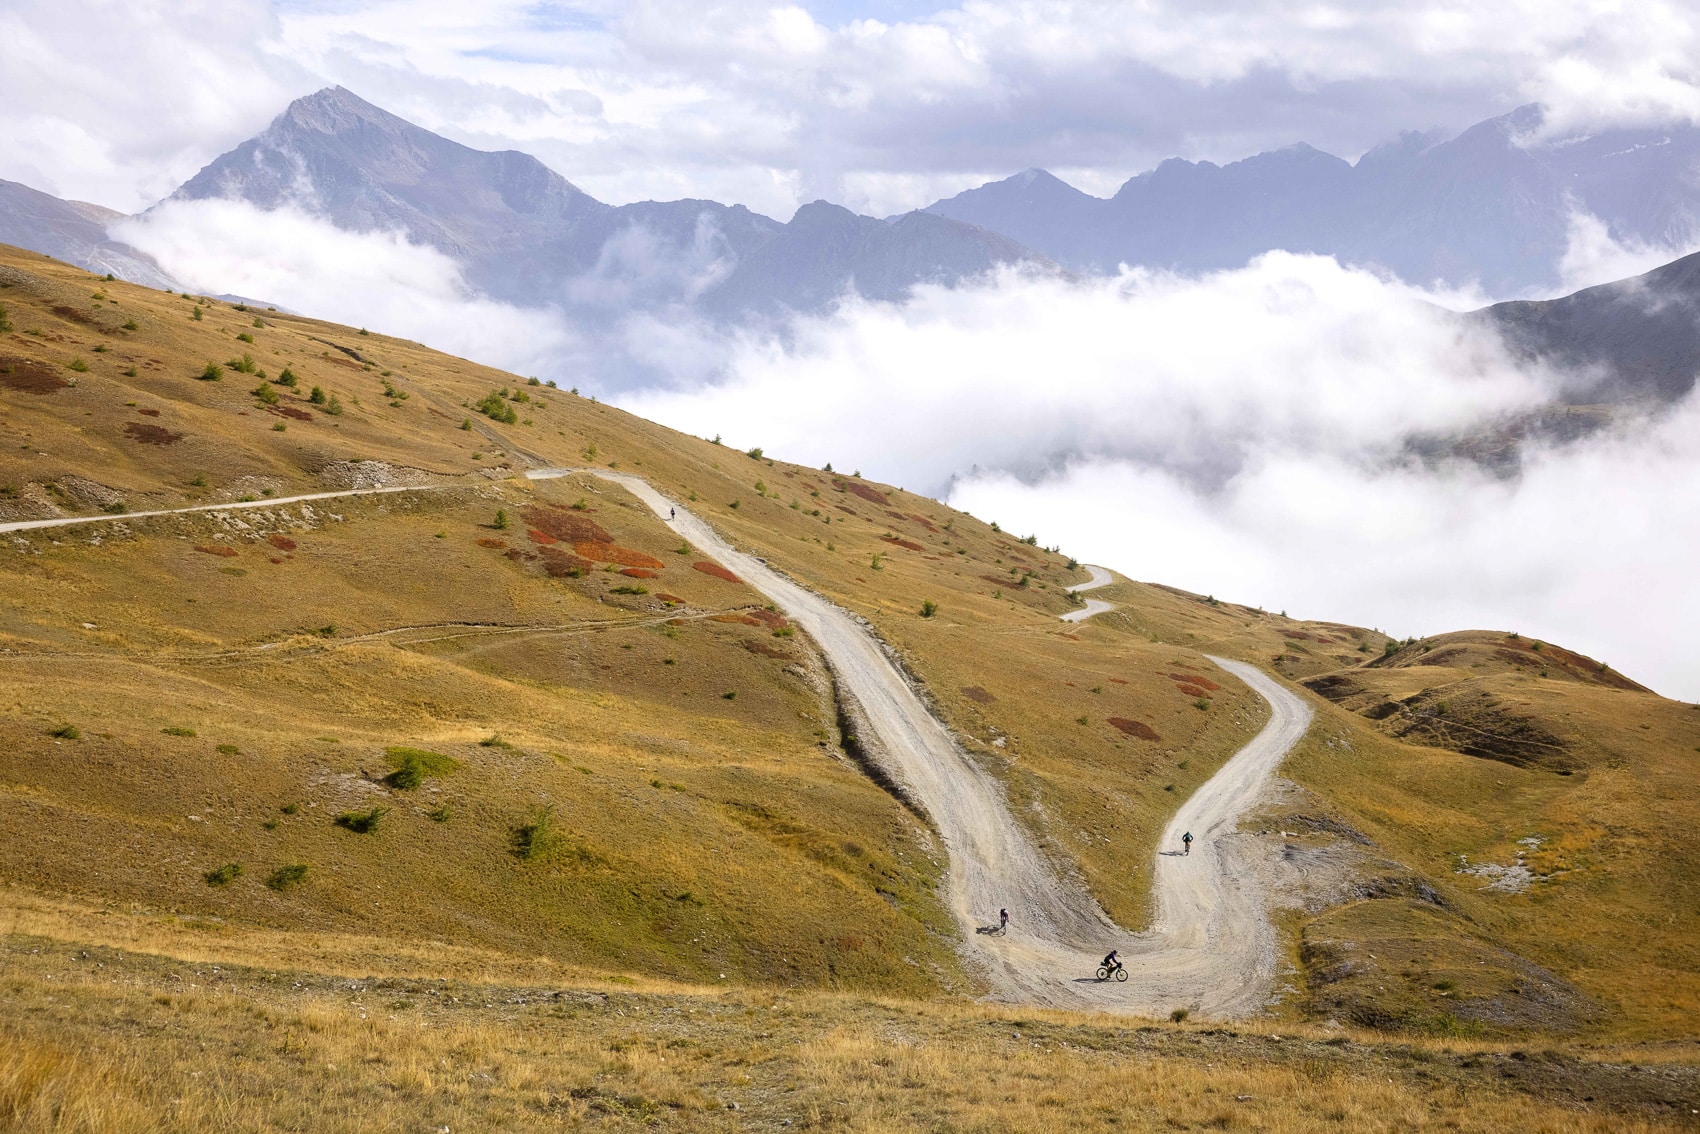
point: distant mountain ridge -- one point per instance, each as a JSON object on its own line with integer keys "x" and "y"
{"x": 525, "y": 234}
{"x": 1486, "y": 207}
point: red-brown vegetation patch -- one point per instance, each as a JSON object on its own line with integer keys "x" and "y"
{"x": 290, "y": 412}
{"x": 276, "y": 559}
{"x": 1194, "y": 679}
{"x": 772, "y": 619}
{"x": 148, "y": 412}
{"x": 999, "y": 580}
{"x": 923, "y": 521}
{"x": 978, "y": 695}
{"x": 866, "y": 491}
{"x": 281, "y": 542}
{"x": 1119, "y": 680}
{"x": 767, "y": 649}
{"x": 496, "y": 543}
{"x": 850, "y": 511}
{"x": 1135, "y": 728}
{"x": 543, "y": 538}
{"x": 75, "y": 315}
{"x": 714, "y": 569}
{"x": 1192, "y": 690}
{"x": 904, "y": 543}
{"x": 516, "y": 554}
{"x": 29, "y": 377}
{"x": 674, "y": 599}
{"x": 151, "y": 434}
{"x": 217, "y": 549}
{"x": 561, "y": 564}
{"x": 565, "y": 524}
{"x": 604, "y": 552}
{"x": 639, "y": 573}
{"x": 1066, "y": 634}
{"x": 742, "y": 619}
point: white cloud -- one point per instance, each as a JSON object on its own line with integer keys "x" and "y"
{"x": 763, "y": 103}
{"x": 1593, "y": 256}
{"x": 1243, "y": 434}
{"x": 379, "y": 280}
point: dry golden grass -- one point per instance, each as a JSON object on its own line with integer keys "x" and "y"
{"x": 102, "y": 1039}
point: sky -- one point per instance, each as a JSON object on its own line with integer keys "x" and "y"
{"x": 1240, "y": 433}
{"x": 881, "y": 105}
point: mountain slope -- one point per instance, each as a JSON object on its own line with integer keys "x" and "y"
{"x": 74, "y": 231}
{"x": 1635, "y": 340}
{"x": 632, "y": 767}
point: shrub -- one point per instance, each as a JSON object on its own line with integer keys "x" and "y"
{"x": 496, "y": 408}
{"x": 731, "y": 695}
{"x": 129, "y": 372}
{"x": 285, "y": 877}
{"x": 196, "y": 315}
{"x": 228, "y": 750}
{"x": 280, "y": 427}
{"x": 442, "y": 813}
{"x": 630, "y": 589}
{"x": 67, "y": 732}
{"x": 1178, "y": 1015}
{"x": 229, "y": 872}
{"x": 287, "y": 378}
{"x": 177, "y": 730}
{"x": 501, "y": 524}
{"x": 333, "y": 407}
{"x": 494, "y": 740}
{"x": 1389, "y": 648}
{"x": 266, "y": 394}
{"x": 532, "y": 838}
{"x": 317, "y": 397}
{"x": 929, "y": 608}
{"x": 362, "y": 822}
{"x": 100, "y": 348}
{"x": 212, "y": 373}
{"x": 130, "y": 325}
{"x": 259, "y": 322}
{"x": 79, "y": 366}
{"x": 5, "y": 323}
{"x": 243, "y": 365}
{"x": 1201, "y": 704}
{"x": 754, "y": 454}
{"x": 244, "y": 337}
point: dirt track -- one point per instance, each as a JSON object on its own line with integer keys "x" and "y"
{"x": 1211, "y": 947}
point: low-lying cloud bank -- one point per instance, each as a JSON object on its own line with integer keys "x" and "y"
{"x": 379, "y": 280}
{"x": 1245, "y": 435}
{"x": 1242, "y": 434}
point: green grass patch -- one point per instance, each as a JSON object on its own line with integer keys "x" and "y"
{"x": 178, "y": 730}
{"x": 413, "y": 765}
{"x": 288, "y": 876}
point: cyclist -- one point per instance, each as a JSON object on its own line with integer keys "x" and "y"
{"x": 1003, "y": 920}
{"x": 1186, "y": 841}
{"x": 1112, "y": 963}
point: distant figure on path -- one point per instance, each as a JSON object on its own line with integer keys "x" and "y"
{"x": 672, "y": 513}
{"x": 1003, "y": 920}
{"x": 1186, "y": 841}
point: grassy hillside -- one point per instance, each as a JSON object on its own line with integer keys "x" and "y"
{"x": 509, "y": 723}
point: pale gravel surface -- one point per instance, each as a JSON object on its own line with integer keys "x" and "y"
{"x": 1211, "y": 947}
{"x": 1100, "y": 578}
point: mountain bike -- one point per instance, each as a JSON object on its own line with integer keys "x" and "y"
{"x": 1119, "y": 973}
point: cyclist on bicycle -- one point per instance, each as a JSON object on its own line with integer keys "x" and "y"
{"x": 1186, "y": 841}
{"x": 1112, "y": 962}
{"x": 1003, "y": 920}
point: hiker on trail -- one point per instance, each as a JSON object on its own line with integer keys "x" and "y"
{"x": 672, "y": 513}
{"x": 1186, "y": 841}
{"x": 1003, "y": 920}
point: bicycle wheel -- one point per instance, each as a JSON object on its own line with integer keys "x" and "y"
{"x": 1121, "y": 974}
{"x": 1103, "y": 973}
